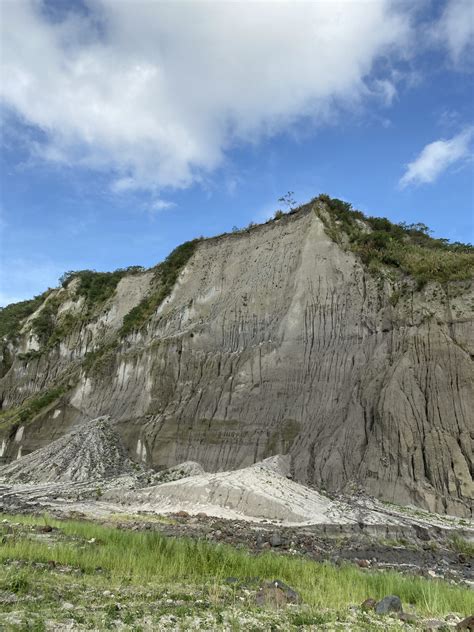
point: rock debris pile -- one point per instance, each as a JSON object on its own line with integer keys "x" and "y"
{"x": 90, "y": 452}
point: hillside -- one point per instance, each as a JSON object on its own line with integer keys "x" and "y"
{"x": 342, "y": 340}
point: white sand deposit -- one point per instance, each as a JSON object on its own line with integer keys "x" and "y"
{"x": 88, "y": 470}
{"x": 260, "y": 492}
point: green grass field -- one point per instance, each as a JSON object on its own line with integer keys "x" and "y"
{"x": 105, "y": 558}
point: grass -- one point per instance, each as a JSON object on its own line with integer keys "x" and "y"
{"x": 137, "y": 558}
{"x": 30, "y": 407}
{"x": 97, "y": 287}
{"x": 12, "y": 316}
{"x": 410, "y": 249}
{"x": 462, "y": 546}
{"x": 166, "y": 276}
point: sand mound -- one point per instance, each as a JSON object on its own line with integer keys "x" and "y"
{"x": 177, "y": 472}
{"x": 90, "y": 452}
{"x": 261, "y": 491}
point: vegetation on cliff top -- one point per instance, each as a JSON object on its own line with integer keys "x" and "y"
{"x": 166, "y": 275}
{"x": 97, "y": 287}
{"x": 407, "y": 247}
{"x": 12, "y": 316}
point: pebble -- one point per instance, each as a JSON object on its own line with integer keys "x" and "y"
{"x": 368, "y": 604}
{"x": 363, "y": 563}
{"x": 433, "y": 624}
{"x": 276, "y": 540}
{"x": 408, "y": 617}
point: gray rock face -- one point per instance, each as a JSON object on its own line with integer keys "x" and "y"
{"x": 277, "y": 341}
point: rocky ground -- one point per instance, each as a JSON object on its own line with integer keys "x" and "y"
{"x": 88, "y": 452}
{"x": 87, "y": 475}
{"x": 59, "y": 597}
{"x": 89, "y": 470}
{"x": 428, "y": 552}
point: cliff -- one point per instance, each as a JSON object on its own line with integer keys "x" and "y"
{"x": 344, "y": 342}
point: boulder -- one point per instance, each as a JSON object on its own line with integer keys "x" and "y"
{"x": 276, "y": 540}
{"x": 388, "y": 604}
{"x": 466, "y": 624}
{"x": 276, "y": 594}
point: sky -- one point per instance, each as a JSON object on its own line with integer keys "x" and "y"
{"x": 129, "y": 126}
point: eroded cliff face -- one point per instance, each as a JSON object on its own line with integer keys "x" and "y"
{"x": 272, "y": 341}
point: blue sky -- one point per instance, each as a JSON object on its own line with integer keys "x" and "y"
{"x": 130, "y": 127}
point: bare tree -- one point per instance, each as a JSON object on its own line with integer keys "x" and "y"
{"x": 288, "y": 200}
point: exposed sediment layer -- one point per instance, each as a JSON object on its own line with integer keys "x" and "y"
{"x": 277, "y": 340}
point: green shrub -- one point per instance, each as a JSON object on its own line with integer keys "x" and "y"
{"x": 394, "y": 298}
{"x": 12, "y": 316}
{"x": 100, "y": 359}
{"x": 31, "y": 408}
{"x": 166, "y": 276}
{"x": 462, "y": 546}
{"x": 95, "y": 287}
{"x": 43, "y": 325}
{"x": 408, "y": 247}
{"x": 51, "y": 328}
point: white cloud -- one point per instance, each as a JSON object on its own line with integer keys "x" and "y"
{"x": 436, "y": 157}
{"x": 161, "y": 205}
{"x": 123, "y": 185}
{"x": 386, "y": 90}
{"x": 158, "y": 92}
{"x": 456, "y": 29}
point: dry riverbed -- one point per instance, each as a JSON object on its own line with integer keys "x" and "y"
{"x": 140, "y": 574}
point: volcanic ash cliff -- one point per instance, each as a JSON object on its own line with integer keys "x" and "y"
{"x": 273, "y": 340}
